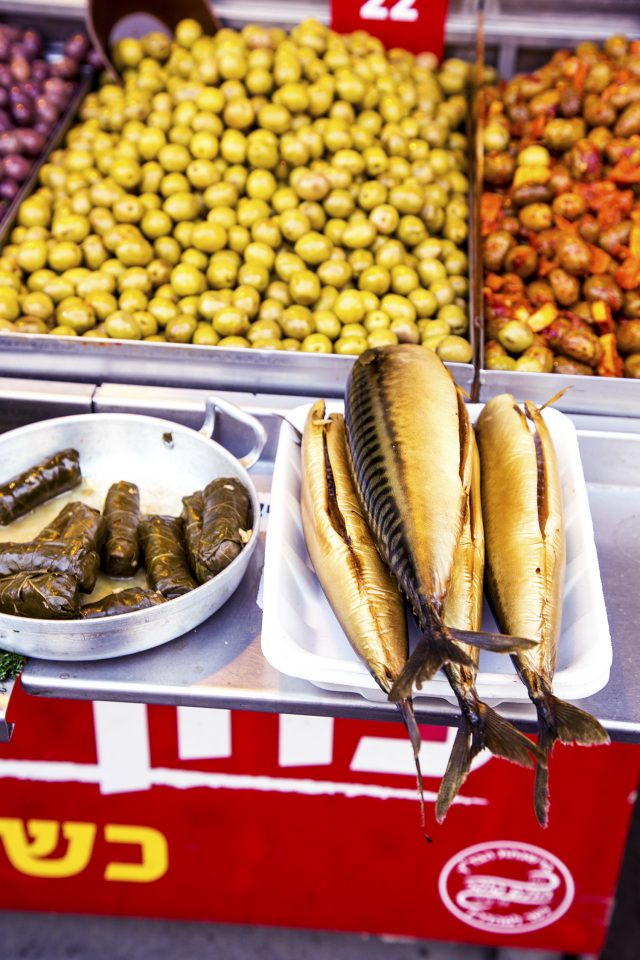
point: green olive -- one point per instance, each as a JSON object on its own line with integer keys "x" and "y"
{"x": 64, "y": 331}
{"x": 353, "y": 330}
{"x": 313, "y": 248}
{"x": 334, "y": 273}
{"x": 75, "y": 313}
{"x": 398, "y": 308}
{"x": 233, "y": 342}
{"x": 264, "y": 330}
{"x": 405, "y": 330}
{"x": 455, "y": 350}
{"x": 316, "y": 343}
{"x": 121, "y": 326}
{"x": 359, "y": 234}
{"x": 349, "y": 306}
{"x": 515, "y": 336}
{"x": 327, "y": 323}
{"x": 181, "y": 328}
{"x": 456, "y": 318}
{"x": 204, "y": 335}
{"x": 30, "y": 325}
{"x": 351, "y": 346}
{"x": 305, "y": 287}
{"x": 231, "y": 322}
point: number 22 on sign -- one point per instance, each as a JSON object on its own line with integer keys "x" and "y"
{"x": 416, "y": 25}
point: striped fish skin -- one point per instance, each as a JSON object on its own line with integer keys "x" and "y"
{"x": 407, "y": 432}
{"x": 361, "y": 591}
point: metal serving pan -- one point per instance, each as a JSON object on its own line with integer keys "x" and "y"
{"x": 167, "y": 461}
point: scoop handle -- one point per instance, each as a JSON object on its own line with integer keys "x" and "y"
{"x": 213, "y": 404}
{"x": 103, "y": 15}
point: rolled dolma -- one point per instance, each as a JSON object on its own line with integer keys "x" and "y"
{"x": 192, "y": 508}
{"x": 226, "y": 523}
{"x": 77, "y": 521}
{"x": 39, "y": 483}
{"x": 126, "y": 601}
{"x": 51, "y": 556}
{"x": 164, "y": 556}
{"x": 122, "y": 515}
{"x": 44, "y": 596}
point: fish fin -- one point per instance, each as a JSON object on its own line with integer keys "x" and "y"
{"x": 541, "y": 794}
{"x": 497, "y": 735}
{"x": 429, "y": 656}
{"x": 559, "y": 720}
{"x": 405, "y": 707}
{"x": 495, "y": 642}
{"x": 465, "y": 747}
{"x": 554, "y": 399}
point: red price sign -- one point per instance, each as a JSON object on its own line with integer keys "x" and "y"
{"x": 415, "y": 25}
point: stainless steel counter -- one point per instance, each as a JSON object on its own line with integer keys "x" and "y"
{"x": 220, "y": 664}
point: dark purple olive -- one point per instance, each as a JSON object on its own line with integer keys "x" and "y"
{"x": 4, "y": 97}
{"x": 46, "y": 110}
{"x": 23, "y": 112}
{"x": 95, "y": 60}
{"x": 16, "y": 167}
{"x": 6, "y": 123}
{"x": 55, "y": 87}
{"x": 6, "y": 77}
{"x": 20, "y": 68}
{"x": 31, "y": 142}
{"x": 9, "y": 142}
{"x": 5, "y": 48}
{"x": 32, "y": 44}
{"x": 39, "y": 71}
{"x": 32, "y": 89}
{"x": 43, "y": 128}
{"x": 65, "y": 67}
{"x": 11, "y": 33}
{"x": 16, "y": 92}
{"x": 76, "y": 47}
{"x": 8, "y": 188}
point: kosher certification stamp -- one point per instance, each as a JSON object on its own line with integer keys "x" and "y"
{"x": 506, "y": 887}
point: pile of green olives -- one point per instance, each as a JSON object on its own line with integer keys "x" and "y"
{"x": 304, "y": 191}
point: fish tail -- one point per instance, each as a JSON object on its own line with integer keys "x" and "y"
{"x": 483, "y": 727}
{"x": 559, "y": 720}
{"x": 405, "y": 707}
{"x": 433, "y": 651}
{"x": 495, "y": 642}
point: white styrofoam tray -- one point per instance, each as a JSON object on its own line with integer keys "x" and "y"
{"x": 302, "y": 638}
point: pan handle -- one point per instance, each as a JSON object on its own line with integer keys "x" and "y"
{"x": 213, "y": 404}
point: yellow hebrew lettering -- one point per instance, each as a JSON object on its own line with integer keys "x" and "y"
{"x": 29, "y": 848}
{"x": 154, "y": 861}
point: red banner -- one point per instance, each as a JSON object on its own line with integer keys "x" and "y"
{"x": 415, "y": 25}
{"x": 302, "y": 822}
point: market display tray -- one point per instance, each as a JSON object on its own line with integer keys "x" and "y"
{"x": 302, "y": 638}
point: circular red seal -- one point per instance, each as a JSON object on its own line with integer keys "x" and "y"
{"x": 506, "y": 887}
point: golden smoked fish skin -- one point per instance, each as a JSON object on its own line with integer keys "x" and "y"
{"x": 522, "y": 509}
{"x": 362, "y": 592}
{"x": 480, "y": 725}
{"x": 525, "y": 542}
{"x": 408, "y": 438}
